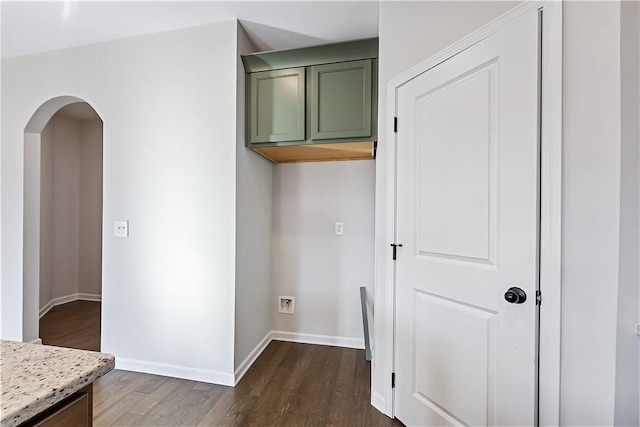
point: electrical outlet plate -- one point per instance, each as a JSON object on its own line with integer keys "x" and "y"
{"x": 339, "y": 228}
{"x": 121, "y": 228}
{"x": 286, "y": 304}
{"x": 638, "y": 329}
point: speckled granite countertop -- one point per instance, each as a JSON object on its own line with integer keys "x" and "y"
{"x": 35, "y": 377}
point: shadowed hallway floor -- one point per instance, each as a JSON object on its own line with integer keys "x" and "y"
{"x": 74, "y": 324}
{"x": 290, "y": 384}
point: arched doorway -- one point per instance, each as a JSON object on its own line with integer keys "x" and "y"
{"x": 63, "y": 221}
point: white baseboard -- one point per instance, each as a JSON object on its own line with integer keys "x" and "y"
{"x": 248, "y": 361}
{"x": 175, "y": 371}
{"x": 36, "y": 341}
{"x": 331, "y": 340}
{"x": 231, "y": 379}
{"x": 377, "y": 401}
{"x": 68, "y": 298}
{"x": 89, "y": 297}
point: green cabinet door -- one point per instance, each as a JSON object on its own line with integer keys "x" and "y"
{"x": 277, "y": 106}
{"x": 341, "y": 100}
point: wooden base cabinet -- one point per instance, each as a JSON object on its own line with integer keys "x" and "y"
{"x": 75, "y": 411}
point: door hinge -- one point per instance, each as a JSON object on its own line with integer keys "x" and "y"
{"x": 393, "y": 380}
{"x": 538, "y": 298}
{"x": 394, "y": 246}
{"x": 395, "y": 124}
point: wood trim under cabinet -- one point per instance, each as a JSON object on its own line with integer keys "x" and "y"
{"x": 318, "y": 152}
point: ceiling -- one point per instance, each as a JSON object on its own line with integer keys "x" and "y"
{"x": 37, "y": 26}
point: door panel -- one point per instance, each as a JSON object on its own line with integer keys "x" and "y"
{"x": 454, "y": 190}
{"x": 453, "y": 334}
{"x": 341, "y": 100}
{"x": 467, "y": 216}
{"x": 277, "y": 106}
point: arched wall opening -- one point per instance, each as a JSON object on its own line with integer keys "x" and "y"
{"x": 62, "y": 250}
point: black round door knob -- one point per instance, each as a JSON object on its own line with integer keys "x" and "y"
{"x": 515, "y": 295}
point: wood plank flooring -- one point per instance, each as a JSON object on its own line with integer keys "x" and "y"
{"x": 74, "y": 324}
{"x": 290, "y": 384}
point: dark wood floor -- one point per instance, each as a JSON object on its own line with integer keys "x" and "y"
{"x": 74, "y": 324}
{"x": 289, "y": 385}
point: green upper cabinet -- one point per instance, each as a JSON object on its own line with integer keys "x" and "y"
{"x": 316, "y": 103}
{"x": 341, "y": 100}
{"x": 277, "y": 106}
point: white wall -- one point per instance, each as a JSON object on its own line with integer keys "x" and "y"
{"x": 90, "y": 245}
{"x": 168, "y": 105}
{"x": 66, "y": 206}
{"x": 16, "y": 311}
{"x": 627, "y": 400}
{"x": 254, "y": 181}
{"x": 70, "y": 209}
{"x": 24, "y": 311}
{"x": 410, "y": 32}
{"x": 46, "y": 215}
{"x": 321, "y": 270}
{"x": 591, "y": 211}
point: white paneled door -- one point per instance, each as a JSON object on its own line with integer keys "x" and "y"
{"x": 467, "y": 219}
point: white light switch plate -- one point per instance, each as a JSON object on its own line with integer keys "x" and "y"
{"x": 121, "y": 228}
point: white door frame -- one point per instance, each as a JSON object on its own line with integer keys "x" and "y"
{"x": 550, "y": 209}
